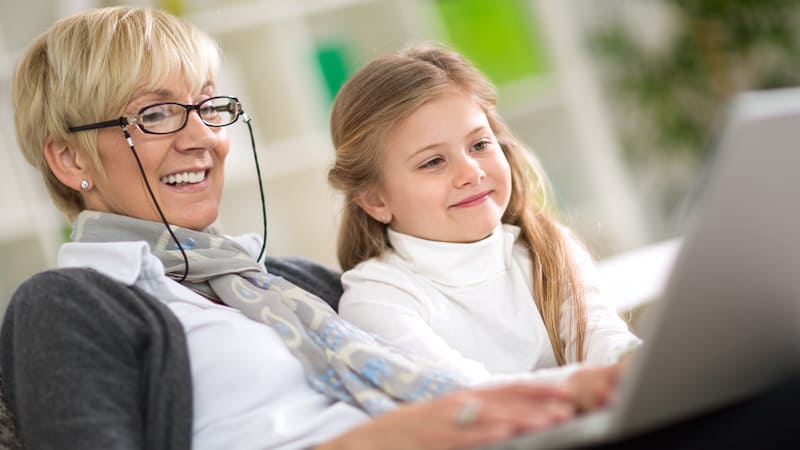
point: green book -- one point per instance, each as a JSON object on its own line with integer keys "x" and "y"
{"x": 334, "y": 66}
{"x": 499, "y": 36}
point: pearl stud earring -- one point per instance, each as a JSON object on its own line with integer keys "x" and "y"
{"x": 84, "y": 184}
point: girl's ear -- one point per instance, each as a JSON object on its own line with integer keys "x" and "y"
{"x": 373, "y": 204}
{"x": 65, "y": 163}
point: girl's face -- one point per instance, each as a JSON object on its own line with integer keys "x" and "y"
{"x": 195, "y": 154}
{"x": 444, "y": 176}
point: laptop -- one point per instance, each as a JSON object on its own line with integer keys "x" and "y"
{"x": 727, "y": 325}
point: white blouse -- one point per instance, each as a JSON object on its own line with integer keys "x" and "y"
{"x": 249, "y": 391}
{"x": 469, "y": 307}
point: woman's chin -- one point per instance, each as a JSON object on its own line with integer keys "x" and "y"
{"x": 194, "y": 219}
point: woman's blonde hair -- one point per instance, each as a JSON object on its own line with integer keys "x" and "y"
{"x": 385, "y": 92}
{"x": 87, "y": 67}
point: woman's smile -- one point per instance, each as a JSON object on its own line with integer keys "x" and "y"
{"x": 186, "y": 181}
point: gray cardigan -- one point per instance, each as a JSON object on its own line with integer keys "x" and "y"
{"x": 89, "y": 362}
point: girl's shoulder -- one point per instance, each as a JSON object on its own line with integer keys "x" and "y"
{"x": 387, "y": 267}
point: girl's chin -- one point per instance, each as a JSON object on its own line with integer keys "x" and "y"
{"x": 479, "y": 236}
{"x": 475, "y": 232}
{"x": 461, "y": 237}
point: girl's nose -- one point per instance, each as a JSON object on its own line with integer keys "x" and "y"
{"x": 469, "y": 171}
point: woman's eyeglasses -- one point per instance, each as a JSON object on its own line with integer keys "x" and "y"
{"x": 169, "y": 117}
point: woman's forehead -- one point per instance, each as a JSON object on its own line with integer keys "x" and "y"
{"x": 174, "y": 88}
{"x": 171, "y": 88}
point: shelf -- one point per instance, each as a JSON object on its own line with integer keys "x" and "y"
{"x": 277, "y": 158}
{"x": 638, "y": 276}
{"x": 217, "y": 18}
{"x": 30, "y": 221}
{"x": 6, "y": 67}
{"x": 528, "y": 97}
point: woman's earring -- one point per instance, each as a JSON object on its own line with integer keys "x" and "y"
{"x": 383, "y": 218}
{"x": 84, "y": 184}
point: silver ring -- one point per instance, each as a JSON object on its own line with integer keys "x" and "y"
{"x": 468, "y": 414}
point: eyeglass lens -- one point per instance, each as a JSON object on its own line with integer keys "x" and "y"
{"x": 171, "y": 117}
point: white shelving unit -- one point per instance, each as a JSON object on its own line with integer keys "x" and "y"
{"x": 268, "y": 62}
{"x": 611, "y": 211}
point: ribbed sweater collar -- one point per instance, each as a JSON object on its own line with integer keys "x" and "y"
{"x": 457, "y": 264}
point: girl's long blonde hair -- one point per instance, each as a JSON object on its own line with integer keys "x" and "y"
{"x": 389, "y": 89}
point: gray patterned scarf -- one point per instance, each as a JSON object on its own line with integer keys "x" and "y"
{"x": 340, "y": 360}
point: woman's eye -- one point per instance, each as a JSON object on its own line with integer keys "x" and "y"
{"x": 152, "y": 117}
{"x": 432, "y": 163}
{"x": 158, "y": 113}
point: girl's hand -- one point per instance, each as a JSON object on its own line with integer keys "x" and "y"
{"x": 463, "y": 419}
{"x": 592, "y": 386}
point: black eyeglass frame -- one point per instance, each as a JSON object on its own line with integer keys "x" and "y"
{"x": 135, "y": 119}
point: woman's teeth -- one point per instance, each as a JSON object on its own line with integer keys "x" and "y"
{"x": 178, "y": 179}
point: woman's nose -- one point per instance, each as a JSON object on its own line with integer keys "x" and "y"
{"x": 196, "y": 134}
{"x": 469, "y": 171}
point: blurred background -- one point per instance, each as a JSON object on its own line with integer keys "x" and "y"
{"x": 619, "y": 99}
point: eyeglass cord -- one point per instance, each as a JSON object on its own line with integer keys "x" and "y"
{"x": 260, "y": 258}
{"x": 246, "y": 119}
{"x": 155, "y": 202}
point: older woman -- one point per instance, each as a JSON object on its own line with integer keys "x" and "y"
{"x": 157, "y": 332}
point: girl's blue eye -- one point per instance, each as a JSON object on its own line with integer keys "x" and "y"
{"x": 432, "y": 163}
{"x": 481, "y": 145}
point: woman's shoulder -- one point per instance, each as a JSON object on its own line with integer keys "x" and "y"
{"x": 65, "y": 284}
{"x": 77, "y": 296}
{"x": 60, "y": 286}
{"x": 68, "y": 275}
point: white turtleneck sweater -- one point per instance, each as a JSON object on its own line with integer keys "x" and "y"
{"x": 470, "y": 307}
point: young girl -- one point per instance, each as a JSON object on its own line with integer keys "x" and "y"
{"x": 447, "y": 243}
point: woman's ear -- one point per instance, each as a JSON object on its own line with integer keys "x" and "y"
{"x": 373, "y": 204}
{"x": 65, "y": 163}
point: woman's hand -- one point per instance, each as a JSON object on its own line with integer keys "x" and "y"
{"x": 462, "y": 419}
{"x": 592, "y": 386}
